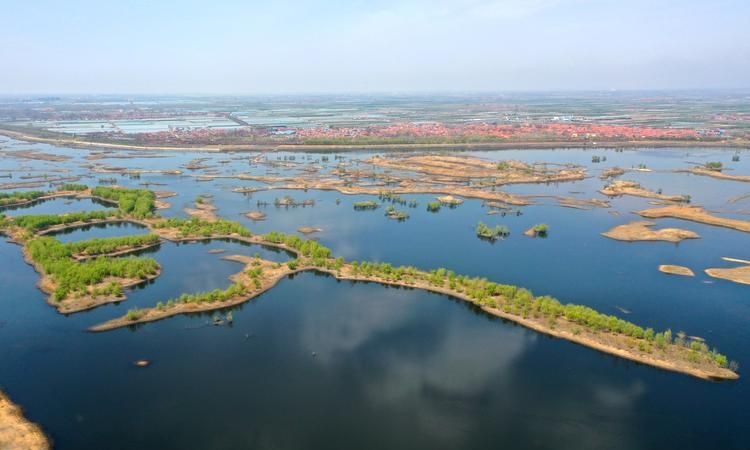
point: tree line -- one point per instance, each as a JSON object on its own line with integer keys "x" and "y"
{"x": 38, "y": 222}
{"x": 197, "y": 227}
{"x": 11, "y": 198}
{"x": 108, "y": 245}
{"x": 521, "y": 302}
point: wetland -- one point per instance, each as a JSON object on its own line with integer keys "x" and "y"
{"x": 414, "y": 325}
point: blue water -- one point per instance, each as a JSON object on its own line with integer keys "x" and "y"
{"x": 317, "y": 363}
{"x": 107, "y": 230}
{"x": 58, "y": 205}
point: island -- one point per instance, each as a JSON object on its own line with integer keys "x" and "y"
{"x": 695, "y": 214}
{"x": 676, "y": 270}
{"x": 643, "y": 231}
{"x": 538, "y": 230}
{"x": 491, "y": 233}
{"x": 739, "y": 274}
{"x": 715, "y": 171}
{"x": 622, "y": 187}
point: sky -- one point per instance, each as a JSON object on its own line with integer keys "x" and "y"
{"x": 378, "y": 46}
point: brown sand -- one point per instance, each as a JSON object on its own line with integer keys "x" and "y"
{"x": 695, "y": 214}
{"x": 578, "y": 203}
{"x": 256, "y": 215}
{"x": 716, "y": 174}
{"x": 469, "y": 167}
{"x": 449, "y": 200}
{"x": 736, "y": 274}
{"x": 16, "y": 432}
{"x": 642, "y": 231}
{"x": 204, "y": 211}
{"x": 621, "y": 187}
{"x": 612, "y": 173}
{"x": 676, "y": 270}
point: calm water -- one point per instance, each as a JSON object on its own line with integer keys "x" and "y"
{"x": 317, "y": 363}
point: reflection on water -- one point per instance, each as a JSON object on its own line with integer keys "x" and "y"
{"x": 349, "y": 365}
{"x": 97, "y": 231}
{"x": 57, "y": 205}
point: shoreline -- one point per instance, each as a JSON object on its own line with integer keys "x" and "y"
{"x": 740, "y": 275}
{"x": 47, "y": 284}
{"x": 43, "y": 198}
{"x": 56, "y": 228}
{"x": 530, "y": 145}
{"x": 622, "y": 187}
{"x": 695, "y": 214}
{"x": 18, "y": 432}
{"x": 700, "y": 171}
{"x": 644, "y": 231}
{"x": 125, "y": 251}
{"x": 84, "y": 303}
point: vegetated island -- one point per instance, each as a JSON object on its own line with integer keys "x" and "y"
{"x": 392, "y": 213}
{"x": 676, "y": 270}
{"x": 538, "y": 230}
{"x": 449, "y": 200}
{"x": 573, "y": 322}
{"x": 256, "y": 215}
{"x": 579, "y": 203}
{"x": 576, "y": 323}
{"x": 622, "y": 187}
{"x": 86, "y": 274}
{"x": 309, "y": 230}
{"x": 405, "y": 187}
{"x": 492, "y": 233}
{"x": 22, "y": 198}
{"x": 612, "y": 172}
{"x": 445, "y": 175}
{"x": 695, "y": 214}
{"x": 714, "y": 170}
{"x": 643, "y": 231}
{"x": 365, "y": 205}
{"x": 204, "y": 209}
{"x": 466, "y": 167}
{"x": 16, "y": 431}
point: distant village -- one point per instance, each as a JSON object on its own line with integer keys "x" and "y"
{"x": 208, "y": 121}
{"x": 432, "y": 132}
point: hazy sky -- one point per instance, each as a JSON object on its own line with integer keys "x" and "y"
{"x": 293, "y": 46}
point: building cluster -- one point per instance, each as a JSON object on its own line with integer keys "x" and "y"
{"x": 500, "y": 131}
{"x": 412, "y": 130}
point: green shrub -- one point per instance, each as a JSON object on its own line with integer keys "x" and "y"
{"x": 197, "y": 227}
{"x": 138, "y": 203}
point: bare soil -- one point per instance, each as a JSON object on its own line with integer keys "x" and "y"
{"x": 644, "y": 231}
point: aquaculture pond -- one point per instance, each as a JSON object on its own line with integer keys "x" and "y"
{"x": 319, "y": 363}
